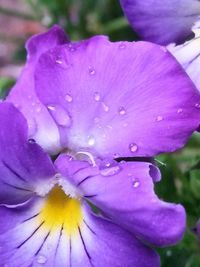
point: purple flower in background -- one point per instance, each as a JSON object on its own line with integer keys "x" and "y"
{"x": 46, "y": 213}
{"x": 188, "y": 55}
{"x": 162, "y": 21}
{"x": 107, "y": 99}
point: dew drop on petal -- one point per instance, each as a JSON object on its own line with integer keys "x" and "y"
{"x": 68, "y": 98}
{"x": 60, "y": 115}
{"x": 133, "y": 147}
{"x": 180, "y": 110}
{"x": 105, "y": 107}
{"x": 91, "y": 141}
{"x": 122, "y": 45}
{"x": 122, "y": 111}
{"x": 197, "y": 105}
{"x": 71, "y": 47}
{"x": 92, "y": 71}
{"x": 110, "y": 171}
{"x": 41, "y": 259}
{"x": 31, "y": 140}
{"x": 159, "y": 118}
{"x": 97, "y": 96}
{"x": 135, "y": 183}
{"x": 59, "y": 60}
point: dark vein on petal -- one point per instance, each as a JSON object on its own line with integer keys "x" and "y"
{"x": 59, "y": 238}
{"x": 30, "y": 235}
{"x": 89, "y": 227}
{"x": 79, "y": 170}
{"x": 70, "y": 252}
{"x": 41, "y": 246}
{"x": 85, "y": 179}
{"x": 90, "y": 196}
{"x": 17, "y": 187}
{"x": 86, "y": 251}
{"x": 13, "y": 171}
{"x": 31, "y": 217}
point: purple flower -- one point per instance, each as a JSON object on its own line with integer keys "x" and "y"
{"x": 188, "y": 55}
{"x": 25, "y": 94}
{"x": 162, "y": 21}
{"x": 107, "y": 99}
{"x": 46, "y": 210}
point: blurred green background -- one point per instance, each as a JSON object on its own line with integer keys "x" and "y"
{"x": 81, "y": 19}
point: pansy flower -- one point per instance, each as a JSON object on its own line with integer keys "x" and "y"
{"x": 162, "y": 21}
{"x": 47, "y": 212}
{"x": 111, "y": 100}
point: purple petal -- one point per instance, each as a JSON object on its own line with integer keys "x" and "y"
{"x": 162, "y": 22}
{"x": 188, "y": 55}
{"x": 23, "y": 93}
{"x": 125, "y": 193}
{"x": 127, "y": 99}
{"x": 24, "y": 167}
{"x": 98, "y": 242}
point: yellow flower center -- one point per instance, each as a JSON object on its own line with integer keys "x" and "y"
{"x": 61, "y": 211}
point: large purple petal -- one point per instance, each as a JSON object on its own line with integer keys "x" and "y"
{"x": 98, "y": 243}
{"x": 125, "y": 193}
{"x": 118, "y": 99}
{"x": 41, "y": 126}
{"x": 24, "y": 167}
{"x": 163, "y": 21}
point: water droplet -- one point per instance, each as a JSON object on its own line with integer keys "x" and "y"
{"x": 60, "y": 115}
{"x": 92, "y": 71}
{"x": 135, "y": 183}
{"x": 122, "y": 111}
{"x": 41, "y": 259}
{"x": 180, "y": 110}
{"x": 31, "y": 140}
{"x": 71, "y": 47}
{"x": 122, "y": 45}
{"x": 105, "y": 107}
{"x": 116, "y": 155}
{"x": 52, "y": 108}
{"x": 159, "y": 118}
{"x": 59, "y": 60}
{"x": 133, "y": 147}
{"x": 197, "y": 105}
{"x": 68, "y": 98}
{"x": 110, "y": 171}
{"x": 97, "y": 96}
{"x": 91, "y": 141}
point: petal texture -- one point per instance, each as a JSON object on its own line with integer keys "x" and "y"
{"x": 118, "y": 99}
{"x": 125, "y": 194}
{"x": 163, "y": 21}
{"x": 26, "y": 242}
{"x": 41, "y": 126}
{"x": 24, "y": 167}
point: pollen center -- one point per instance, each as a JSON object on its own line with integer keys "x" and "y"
{"x": 61, "y": 211}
